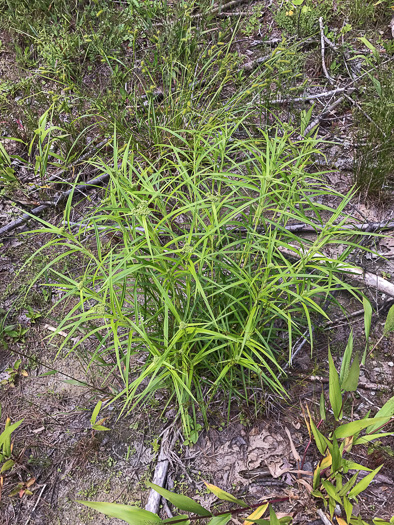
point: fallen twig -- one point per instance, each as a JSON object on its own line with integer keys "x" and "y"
{"x": 35, "y": 506}
{"x": 160, "y": 475}
{"x": 254, "y": 63}
{"x": 344, "y": 318}
{"x": 354, "y": 273}
{"x": 322, "y": 40}
{"x": 58, "y": 199}
{"x": 294, "y": 228}
{"x": 320, "y": 379}
{"x": 325, "y": 94}
{"x": 316, "y": 121}
{"x": 218, "y": 9}
{"x": 86, "y": 155}
{"x": 355, "y": 103}
{"x": 323, "y": 517}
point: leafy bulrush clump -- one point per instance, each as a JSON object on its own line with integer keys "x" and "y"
{"x": 193, "y": 281}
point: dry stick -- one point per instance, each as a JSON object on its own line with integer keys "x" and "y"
{"x": 325, "y": 94}
{"x": 323, "y": 517}
{"x": 321, "y": 379}
{"x": 235, "y": 13}
{"x": 322, "y": 40}
{"x": 269, "y": 499}
{"x": 254, "y": 63}
{"x": 35, "y": 506}
{"x": 27, "y": 356}
{"x": 160, "y": 475}
{"x": 294, "y": 228}
{"x": 354, "y": 273}
{"x": 58, "y": 198}
{"x": 219, "y": 9}
{"x": 322, "y": 115}
{"x": 81, "y": 158}
{"x": 344, "y": 318}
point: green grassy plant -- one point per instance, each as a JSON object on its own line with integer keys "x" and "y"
{"x": 301, "y": 18}
{"x": 184, "y": 279}
{"x": 374, "y": 162}
{"x": 364, "y": 15}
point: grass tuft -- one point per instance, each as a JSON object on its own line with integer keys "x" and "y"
{"x": 185, "y": 286}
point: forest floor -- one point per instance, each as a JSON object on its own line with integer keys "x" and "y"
{"x": 129, "y": 66}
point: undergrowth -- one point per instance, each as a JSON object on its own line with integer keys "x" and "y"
{"x": 374, "y": 159}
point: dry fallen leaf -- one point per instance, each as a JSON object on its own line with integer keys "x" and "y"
{"x": 293, "y": 449}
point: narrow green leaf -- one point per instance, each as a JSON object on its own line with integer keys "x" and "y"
{"x": 347, "y": 356}
{"x": 74, "y": 382}
{"x": 322, "y": 407}
{"x": 7, "y": 465}
{"x": 389, "y": 324}
{"x": 222, "y": 494}
{"x": 320, "y": 440}
{"x": 330, "y": 489}
{"x": 348, "y": 508}
{"x": 334, "y": 388}
{"x": 95, "y": 412}
{"x": 5, "y": 436}
{"x": 220, "y": 520}
{"x": 351, "y": 382}
{"x": 352, "y": 465}
{"x": 363, "y": 484}
{"x": 50, "y": 373}
{"x": 387, "y": 410}
{"x": 180, "y": 501}
{"x": 129, "y": 514}
{"x": 273, "y": 517}
{"x": 367, "y": 317}
{"x": 349, "y": 429}
{"x": 316, "y": 478}
{"x": 335, "y": 455}
{"x": 100, "y": 428}
{"x": 348, "y": 485}
{"x": 371, "y": 437}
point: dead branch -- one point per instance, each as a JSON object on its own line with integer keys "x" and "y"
{"x": 355, "y": 103}
{"x": 322, "y": 115}
{"x": 354, "y": 273}
{"x": 294, "y": 228}
{"x": 320, "y": 379}
{"x": 254, "y": 63}
{"x": 57, "y": 175}
{"x": 219, "y": 9}
{"x": 322, "y": 40}
{"x": 323, "y": 517}
{"x": 58, "y": 199}
{"x": 160, "y": 474}
{"x": 325, "y": 94}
